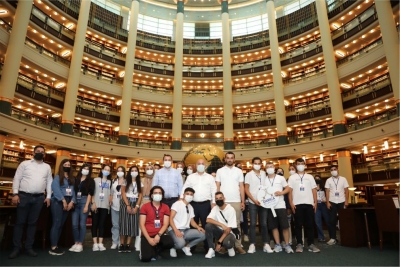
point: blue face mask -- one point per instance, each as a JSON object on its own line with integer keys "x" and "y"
{"x": 105, "y": 173}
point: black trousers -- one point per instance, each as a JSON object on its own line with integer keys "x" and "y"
{"x": 304, "y": 216}
{"x": 335, "y": 207}
{"x": 201, "y": 211}
{"x": 98, "y": 221}
{"x": 148, "y": 251}
{"x": 170, "y": 201}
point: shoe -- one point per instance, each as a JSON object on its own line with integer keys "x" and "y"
{"x": 245, "y": 238}
{"x": 331, "y": 242}
{"x": 95, "y": 247}
{"x": 299, "y": 248}
{"x": 222, "y": 251}
{"x": 252, "y": 248}
{"x": 121, "y": 248}
{"x": 288, "y": 249}
{"x": 321, "y": 240}
{"x": 210, "y": 254}
{"x": 278, "y": 248}
{"x": 14, "y": 254}
{"x": 128, "y": 248}
{"x": 240, "y": 250}
{"x": 73, "y": 248}
{"x": 114, "y": 246}
{"x": 56, "y": 251}
{"x": 231, "y": 252}
{"x": 187, "y": 252}
{"x": 172, "y": 253}
{"x": 267, "y": 248}
{"x": 101, "y": 247}
{"x": 78, "y": 248}
{"x": 137, "y": 248}
{"x": 31, "y": 253}
{"x": 313, "y": 248}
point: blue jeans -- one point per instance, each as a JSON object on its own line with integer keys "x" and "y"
{"x": 321, "y": 213}
{"x": 59, "y": 216}
{"x": 262, "y": 216}
{"x": 79, "y": 220}
{"x": 115, "y": 226}
{"x": 192, "y": 236}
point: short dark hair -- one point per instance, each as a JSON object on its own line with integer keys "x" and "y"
{"x": 218, "y": 193}
{"x": 280, "y": 168}
{"x": 256, "y": 158}
{"x": 166, "y": 155}
{"x": 229, "y": 153}
{"x": 154, "y": 188}
{"x": 158, "y": 165}
{"x": 189, "y": 189}
{"x": 299, "y": 160}
{"x": 38, "y": 146}
{"x": 336, "y": 166}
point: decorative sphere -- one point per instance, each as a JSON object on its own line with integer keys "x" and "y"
{"x": 211, "y": 154}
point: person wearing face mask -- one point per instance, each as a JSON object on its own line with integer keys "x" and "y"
{"x": 244, "y": 225}
{"x": 170, "y": 180}
{"x": 181, "y": 219}
{"x": 32, "y": 178}
{"x": 189, "y": 170}
{"x": 115, "y": 206}
{"x": 84, "y": 189}
{"x": 337, "y": 197}
{"x": 205, "y": 187}
{"x": 154, "y": 221}
{"x": 322, "y": 211}
{"x": 253, "y": 181}
{"x": 62, "y": 201}
{"x": 292, "y": 170}
{"x": 101, "y": 202}
{"x": 303, "y": 201}
{"x": 131, "y": 198}
{"x": 220, "y": 223}
{"x": 180, "y": 166}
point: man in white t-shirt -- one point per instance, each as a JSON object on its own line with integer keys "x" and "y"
{"x": 303, "y": 201}
{"x": 180, "y": 220}
{"x": 279, "y": 184}
{"x": 230, "y": 181}
{"x": 337, "y": 195}
{"x": 220, "y": 223}
{"x": 253, "y": 181}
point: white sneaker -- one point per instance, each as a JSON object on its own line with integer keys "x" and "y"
{"x": 187, "y": 252}
{"x": 278, "y": 248}
{"x": 73, "y": 248}
{"x": 267, "y": 248}
{"x": 172, "y": 253}
{"x": 114, "y": 246}
{"x": 245, "y": 238}
{"x": 252, "y": 249}
{"x": 95, "y": 247}
{"x": 210, "y": 254}
{"x": 289, "y": 249}
{"x": 101, "y": 247}
{"x": 78, "y": 248}
{"x": 331, "y": 242}
{"x": 231, "y": 252}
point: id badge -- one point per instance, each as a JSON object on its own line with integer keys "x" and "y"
{"x": 157, "y": 224}
{"x": 336, "y": 194}
{"x": 79, "y": 195}
{"x": 301, "y": 187}
{"x": 101, "y": 195}
{"x": 118, "y": 194}
{"x": 68, "y": 191}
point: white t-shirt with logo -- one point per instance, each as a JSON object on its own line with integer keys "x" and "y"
{"x": 336, "y": 188}
{"x": 302, "y": 186}
{"x": 182, "y": 217}
{"x": 278, "y": 183}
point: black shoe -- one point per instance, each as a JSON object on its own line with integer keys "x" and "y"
{"x": 121, "y": 248}
{"x": 57, "y": 251}
{"x": 31, "y": 253}
{"x": 128, "y": 248}
{"x": 14, "y": 254}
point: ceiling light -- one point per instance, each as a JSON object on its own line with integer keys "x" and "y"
{"x": 66, "y": 53}
{"x": 339, "y": 53}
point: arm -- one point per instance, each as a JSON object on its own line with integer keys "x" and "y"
{"x": 291, "y": 200}
{"x": 346, "y": 193}
{"x": 180, "y": 183}
{"x": 285, "y": 191}
{"x": 163, "y": 229}
{"x": 213, "y": 191}
{"x": 241, "y": 188}
{"x": 48, "y": 186}
{"x": 138, "y": 201}
{"x": 142, "y": 226}
{"x": 246, "y": 189}
{"x": 173, "y": 226}
{"x": 218, "y": 185}
{"x": 125, "y": 199}
{"x": 314, "y": 192}
{"x": 195, "y": 225}
{"x": 55, "y": 187}
{"x": 328, "y": 204}
{"x": 212, "y": 221}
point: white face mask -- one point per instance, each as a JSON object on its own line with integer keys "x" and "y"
{"x": 300, "y": 168}
{"x": 85, "y": 172}
{"x": 201, "y": 168}
{"x": 292, "y": 172}
{"x": 179, "y": 169}
{"x": 270, "y": 170}
{"x": 134, "y": 174}
{"x": 157, "y": 197}
{"x": 167, "y": 164}
{"x": 256, "y": 167}
{"x": 334, "y": 173}
{"x": 149, "y": 172}
{"x": 189, "y": 171}
{"x": 120, "y": 174}
{"x": 188, "y": 198}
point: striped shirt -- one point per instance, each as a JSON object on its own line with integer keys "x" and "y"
{"x": 170, "y": 180}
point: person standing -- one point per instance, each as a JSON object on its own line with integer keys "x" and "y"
{"x": 230, "y": 181}
{"x": 322, "y": 210}
{"x": 337, "y": 197}
{"x": 244, "y": 225}
{"x": 115, "y": 205}
{"x": 84, "y": 189}
{"x": 32, "y": 178}
{"x": 303, "y": 201}
{"x": 205, "y": 187}
{"x": 170, "y": 180}
{"x": 62, "y": 201}
{"x": 180, "y": 167}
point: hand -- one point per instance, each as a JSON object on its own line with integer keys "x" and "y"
{"x": 151, "y": 242}
{"x": 224, "y": 227}
{"x": 257, "y": 202}
{"x": 15, "y": 200}
{"x": 47, "y": 201}
{"x": 227, "y": 230}
{"x": 129, "y": 209}
{"x": 217, "y": 247}
{"x": 94, "y": 208}
{"x": 85, "y": 209}
{"x": 157, "y": 239}
{"x": 135, "y": 210}
{"x": 70, "y": 206}
{"x": 242, "y": 206}
{"x": 201, "y": 230}
{"x": 293, "y": 208}
{"x": 328, "y": 205}
{"x": 178, "y": 233}
{"x": 346, "y": 204}
{"x": 65, "y": 205}
{"x": 278, "y": 193}
{"x": 315, "y": 207}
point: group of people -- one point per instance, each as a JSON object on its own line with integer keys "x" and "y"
{"x": 164, "y": 211}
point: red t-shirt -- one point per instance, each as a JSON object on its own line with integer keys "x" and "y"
{"x": 150, "y": 211}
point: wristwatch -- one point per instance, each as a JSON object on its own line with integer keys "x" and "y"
{"x": 159, "y": 234}
{"x": 219, "y": 243}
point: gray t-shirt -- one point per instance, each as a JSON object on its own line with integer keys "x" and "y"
{"x": 102, "y": 192}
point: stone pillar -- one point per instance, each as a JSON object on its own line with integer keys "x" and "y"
{"x": 332, "y": 77}
{"x": 13, "y": 55}
{"x": 227, "y": 79}
{"x": 284, "y": 164}
{"x": 177, "y": 106}
{"x": 125, "y": 114}
{"x": 391, "y": 44}
{"x": 68, "y": 115}
{"x": 344, "y": 163}
{"x": 280, "y": 111}
{"x": 62, "y": 153}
